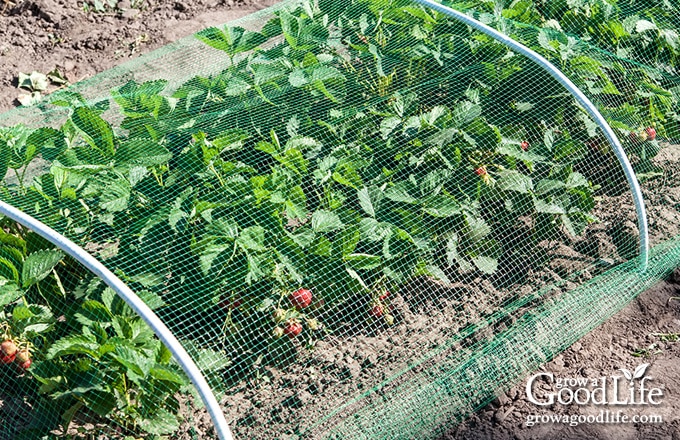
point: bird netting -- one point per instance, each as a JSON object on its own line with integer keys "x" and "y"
{"x": 361, "y": 218}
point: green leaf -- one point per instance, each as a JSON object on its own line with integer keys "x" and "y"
{"x": 167, "y": 374}
{"x": 325, "y": 221}
{"x": 369, "y": 199}
{"x": 96, "y": 131}
{"x": 210, "y": 253}
{"x": 511, "y": 180}
{"x": 115, "y": 195}
{"x": 8, "y": 270}
{"x": 132, "y": 360}
{"x": 388, "y": 125}
{"x": 486, "y": 264}
{"x": 399, "y": 192}
{"x": 296, "y": 203}
{"x": 477, "y": 228}
{"x": 347, "y": 241}
{"x": 644, "y": 25}
{"x": 210, "y": 360}
{"x": 100, "y": 401}
{"x": 297, "y": 78}
{"x": 231, "y": 40}
{"x": 252, "y": 238}
{"x": 143, "y": 152}
{"x": 548, "y": 206}
{"x": 432, "y": 271}
{"x": 442, "y": 206}
{"x": 38, "y": 265}
{"x": 74, "y": 344}
{"x": 148, "y": 279}
{"x": 9, "y": 292}
{"x": 49, "y": 142}
{"x": 21, "y": 313}
{"x": 571, "y": 150}
{"x": 5, "y": 155}
{"x": 94, "y": 311}
{"x": 161, "y": 422}
{"x": 362, "y": 261}
{"x": 576, "y": 180}
{"x": 546, "y": 186}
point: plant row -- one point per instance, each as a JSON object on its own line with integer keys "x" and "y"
{"x": 342, "y": 151}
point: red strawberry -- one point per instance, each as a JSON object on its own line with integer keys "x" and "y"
{"x": 525, "y": 145}
{"x": 481, "y": 171}
{"x": 8, "y": 348}
{"x": 651, "y": 133}
{"x": 6, "y": 359}
{"x": 25, "y": 365}
{"x": 301, "y": 298}
{"x": 385, "y": 295}
{"x": 292, "y": 328}
{"x": 376, "y": 311}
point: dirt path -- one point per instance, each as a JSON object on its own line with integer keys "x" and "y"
{"x": 41, "y": 35}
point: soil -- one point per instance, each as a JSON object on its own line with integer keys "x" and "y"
{"x": 43, "y": 35}
{"x": 646, "y": 331}
{"x": 295, "y": 387}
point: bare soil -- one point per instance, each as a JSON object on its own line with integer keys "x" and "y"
{"x": 646, "y": 331}
{"x": 41, "y": 35}
{"x": 295, "y": 387}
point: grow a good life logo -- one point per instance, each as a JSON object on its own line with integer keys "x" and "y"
{"x": 631, "y": 388}
{"x": 607, "y": 395}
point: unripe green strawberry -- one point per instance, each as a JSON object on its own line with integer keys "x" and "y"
{"x": 279, "y": 315}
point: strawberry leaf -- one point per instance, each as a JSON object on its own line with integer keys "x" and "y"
{"x": 38, "y": 265}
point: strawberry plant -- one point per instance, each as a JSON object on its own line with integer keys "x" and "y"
{"x": 114, "y": 367}
{"x": 78, "y": 345}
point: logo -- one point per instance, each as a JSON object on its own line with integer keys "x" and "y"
{"x": 633, "y": 388}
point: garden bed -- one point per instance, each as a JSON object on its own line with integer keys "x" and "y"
{"x": 428, "y": 210}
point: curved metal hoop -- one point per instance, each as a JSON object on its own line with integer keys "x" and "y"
{"x": 115, "y": 283}
{"x": 582, "y": 99}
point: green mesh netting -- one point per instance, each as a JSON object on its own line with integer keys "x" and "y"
{"x": 361, "y": 218}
